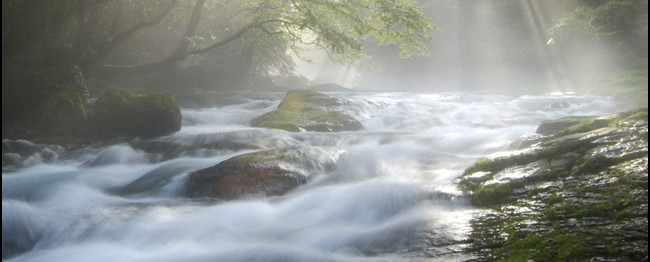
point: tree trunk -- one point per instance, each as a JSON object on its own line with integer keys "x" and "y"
{"x": 179, "y": 53}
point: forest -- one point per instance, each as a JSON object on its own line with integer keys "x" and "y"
{"x": 324, "y": 130}
{"x": 184, "y": 47}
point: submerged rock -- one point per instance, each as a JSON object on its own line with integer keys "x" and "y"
{"x": 265, "y": 173}
{"x": 581, "y": 193}
{"x": 309, "y": 111}
{"x": 122, "y": 112}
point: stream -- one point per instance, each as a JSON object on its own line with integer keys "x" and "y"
{"x": 384, "y": 193}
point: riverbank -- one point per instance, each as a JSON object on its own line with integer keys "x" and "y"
{"x": 578, "y": 193}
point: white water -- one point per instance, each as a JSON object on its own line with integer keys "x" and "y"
{"x": 385, "y": 193}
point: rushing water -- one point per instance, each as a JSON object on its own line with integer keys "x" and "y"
{"x": 385, "y": 193}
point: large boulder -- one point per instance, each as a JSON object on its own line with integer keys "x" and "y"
{"x": 63, "y": 115}
{"x": 579, "y": 124}
{"x": 579, "y": 188}
{"x": 548, "y": 127}
{"x": 265, "y": 173}
{"x": 121, "y": 112}
{"x": 303, "y": 110}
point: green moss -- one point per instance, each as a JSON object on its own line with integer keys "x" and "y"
{"x": 63, "y": 114}
{"x": 497, "y": 164}
{"x": 554, "y": 126}
{"x": 121, "y": 111}
{"x": 493, "y": 194}
{"x": 589, "y": 206}
{"x": 586, "y": 126}
{"x": 307, "y": 110}
{"x": 574, "y": 125}
{"x": 553, "y": 246}
{"x": 279, "y": 119}
{"x": 635, "y": 115}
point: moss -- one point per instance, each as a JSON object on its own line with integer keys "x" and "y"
{"x": 590, "y": 206}
{"x": 307, "y": 110}
{"x": 279, "y": 119}
{"x": 638, "y": 114}
{"x": 574, "y": 125}
{"x": 64, "y": 115}
{"x": 497, "y": 164}
{"x": 586, "y": 126}
{"x": 298, "y": 99}
{"x": 120, "y": 111}
{"x": 493, "y": 194}
{"x": 548, "y": 127}
{"x": 553, "y": 246}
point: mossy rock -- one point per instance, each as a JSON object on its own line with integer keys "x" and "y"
{"x": 580, "y": 194}
{"x": 121, "y": 112}
{"x": 266, "y": 173}
{"x": 548, "y": 127}
{"x": 63, "y": 115}
{"x": 308, "y": 111}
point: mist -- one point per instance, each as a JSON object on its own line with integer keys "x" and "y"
{"x": 501, "y": 46}
{"x": 324, "y": 130}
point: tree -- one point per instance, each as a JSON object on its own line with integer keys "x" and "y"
{"x": 605, "y": 33}
{"x": 341, "y": 27}
{"x": 88, "y": 37}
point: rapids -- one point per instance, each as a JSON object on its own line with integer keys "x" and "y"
{"x": 385, "y": 193}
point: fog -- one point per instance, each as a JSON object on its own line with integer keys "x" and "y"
{"x": 493, "y": 45}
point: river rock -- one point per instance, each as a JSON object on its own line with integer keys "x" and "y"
{"x": 122, "y": 112}
{"x": 265, "y": 173}
{"x": 581, "y": 194}
{"x": 553, "y": 126}
{"x": 63, "y": 115}
{"x": 304, "y": 110}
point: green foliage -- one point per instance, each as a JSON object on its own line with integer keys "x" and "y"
{"x": 629, "y": 87}
{"x": 110, "y": 38}
{"x": 613, "y": 32}
{"x": 340, "y": 27}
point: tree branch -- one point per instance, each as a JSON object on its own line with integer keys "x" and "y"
{"x": 121, "y": 37}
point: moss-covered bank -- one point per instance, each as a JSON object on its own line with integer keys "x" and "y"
{"x": 579, "y": 194}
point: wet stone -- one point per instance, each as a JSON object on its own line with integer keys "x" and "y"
{"x": 587, "y": 202}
